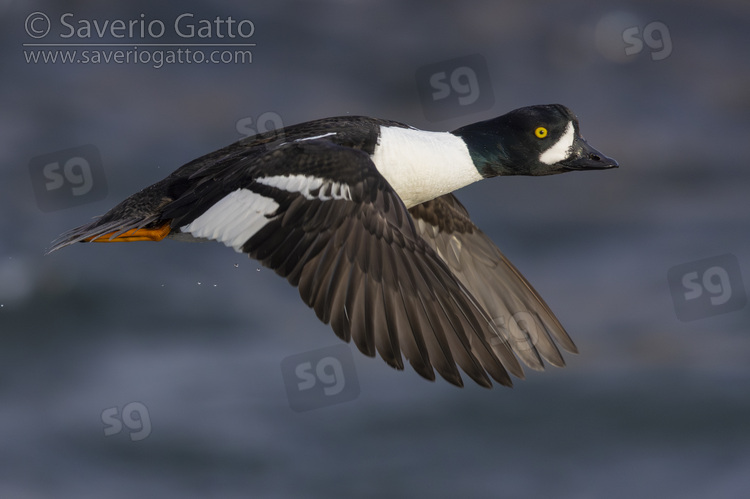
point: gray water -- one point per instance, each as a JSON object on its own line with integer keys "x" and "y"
{"x": 155, "y": 370}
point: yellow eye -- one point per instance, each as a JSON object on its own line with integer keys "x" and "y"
{"x": 540, "y": 132}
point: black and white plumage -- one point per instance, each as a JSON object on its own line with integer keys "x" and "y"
{"x": 358, "y": 213}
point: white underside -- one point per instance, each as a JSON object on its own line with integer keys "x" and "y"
{"x": 423, "y": 165}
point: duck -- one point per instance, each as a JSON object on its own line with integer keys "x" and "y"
{"x": 359, "y": 214}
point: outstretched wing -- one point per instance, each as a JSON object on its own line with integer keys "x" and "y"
{"x": 354, "y": 253}
{"x": 524, "y": 320}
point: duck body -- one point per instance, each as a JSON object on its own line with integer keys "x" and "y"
{"x": 358, "y": 213}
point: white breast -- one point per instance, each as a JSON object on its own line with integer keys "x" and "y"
{"x": 423, "y": 165}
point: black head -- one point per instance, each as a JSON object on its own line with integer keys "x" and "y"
{"x": 535, "y": 140}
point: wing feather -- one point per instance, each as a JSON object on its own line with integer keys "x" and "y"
{"x": 526, "y": 324}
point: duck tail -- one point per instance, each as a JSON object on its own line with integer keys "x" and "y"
{"x": 138, "y": 218}
{"x": 114, "y": 231}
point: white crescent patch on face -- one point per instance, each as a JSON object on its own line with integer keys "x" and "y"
{"x": 560, "y": 150}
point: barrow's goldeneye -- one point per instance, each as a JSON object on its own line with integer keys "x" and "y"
{"x": 359, "y": 214}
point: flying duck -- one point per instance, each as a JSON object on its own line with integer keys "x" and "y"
{"x": 358, "y": 214}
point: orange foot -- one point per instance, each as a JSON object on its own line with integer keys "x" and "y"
{"x": 155, "y": 234}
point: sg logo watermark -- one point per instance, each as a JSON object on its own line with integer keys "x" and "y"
{"x": 67, "y": 178}
{"x": 707, "y": 287}
{"x": 521, "y": 330}
{"x": 320, "y": 378}
{"x": 268, "y": 123}
{"x": 455, "y": 87}
{"x": 661, "y": 45}
{"x": 134, "y": 417}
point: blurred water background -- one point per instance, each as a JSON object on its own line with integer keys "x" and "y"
{"x": 186, "y": 341}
